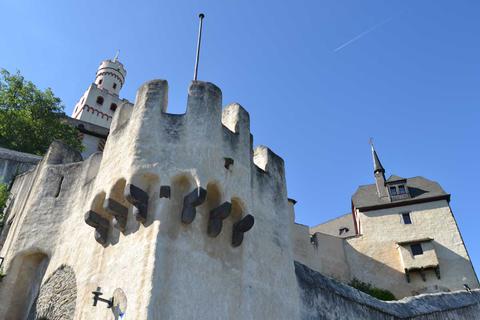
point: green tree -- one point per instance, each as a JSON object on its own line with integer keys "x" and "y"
{"x": 30, "y": 119}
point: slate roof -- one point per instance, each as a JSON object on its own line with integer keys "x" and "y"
{"x": 377, "y": 165}
{"x": 420, "y": 189}
{"x": 394, "y": 178}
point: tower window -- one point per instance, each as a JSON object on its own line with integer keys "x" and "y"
{"x": 100, "y": 82}
{"x": 114, "y": 85}
{"x": 416, "y": 249}
{"x": 393, "y": 191}
{"x": 100, "y": 100}
{"x": 406, "y": 218}
{"x": 113, "y": 107}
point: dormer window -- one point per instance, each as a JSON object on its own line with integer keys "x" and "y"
{"x": 397, "y": 188}
{"x": 393, "y": 191}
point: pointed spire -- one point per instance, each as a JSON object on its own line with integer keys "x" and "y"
{"x": 379, "y": 173}
{"x": 377, "y": 165}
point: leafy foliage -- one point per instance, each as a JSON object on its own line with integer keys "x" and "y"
{"x": 30, "y": 119}
{"x": 371, "y": 290}
{"x": 3, "y": 200}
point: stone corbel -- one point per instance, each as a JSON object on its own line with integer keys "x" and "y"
{"x": 139, "y": 199}
{"x": 190, "y": 202}
{"x": 240, "y": 227}
{"x": 217, "y": 215}
{"x": 407, "y": 275}
{"x": 100, "y": 224}
{"x": 119, "y": 213}
{"x": 422, "y": 274}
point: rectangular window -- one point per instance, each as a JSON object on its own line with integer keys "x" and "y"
{"x": 393, "y": 191}
{"x": 401, "y": 189}
{"x": 406, "y": 218}
{"x": 416, "y": 249}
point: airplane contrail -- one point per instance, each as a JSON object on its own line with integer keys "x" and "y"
{"x": 363, "y": 34}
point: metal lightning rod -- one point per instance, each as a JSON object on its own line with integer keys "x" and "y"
{"x": 199, "y": 40}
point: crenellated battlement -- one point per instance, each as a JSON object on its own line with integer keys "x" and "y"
{"x": 203, "y": 124}
{"x": 149, "y": 149}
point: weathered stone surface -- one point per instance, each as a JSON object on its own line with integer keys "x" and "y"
{"x": 57, "y": 297}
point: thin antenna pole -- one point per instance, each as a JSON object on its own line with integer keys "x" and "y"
{"x": 370, "y": 142}
{"x": 116, "y": 56}
{"x": 199, "y": 40}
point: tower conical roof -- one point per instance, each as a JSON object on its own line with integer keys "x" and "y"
{"x": 377, "y": 165}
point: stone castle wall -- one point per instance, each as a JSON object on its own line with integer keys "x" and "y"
{"x": 161, "y": 214}
{"x": 167, "y": 269}
{"x": 324, "y": 298}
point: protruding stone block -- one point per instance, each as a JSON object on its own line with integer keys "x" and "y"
{"x": 190, "y": 202}
{"x": 240, "y": 227}
{"x": 165, "y": 192}
{"x": 118, "y": 211}
{"x": 139, "y": 199}
{"x": 216, "y": 218}
{"x": 100, "y": 224}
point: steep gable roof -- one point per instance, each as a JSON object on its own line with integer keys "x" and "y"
{"x": 420, "y": 189}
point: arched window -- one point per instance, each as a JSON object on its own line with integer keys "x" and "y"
{"x": 114, "y": 85}
{"x": 100, "y": 100}
{"x": 113, "y": 107}
{"x": 100, "y": 82}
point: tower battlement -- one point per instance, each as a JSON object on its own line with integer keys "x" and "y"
{"x": 212, "y": 134}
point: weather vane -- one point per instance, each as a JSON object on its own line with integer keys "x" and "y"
{"x": 199, "y": 40}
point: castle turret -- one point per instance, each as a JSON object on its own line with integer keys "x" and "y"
{"x": 99, "y": 103}
{"x": 111, "y": 76}
{"x": 379, "y": 173}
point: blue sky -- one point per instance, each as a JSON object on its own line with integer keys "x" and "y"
{"x": 409, "y": 79}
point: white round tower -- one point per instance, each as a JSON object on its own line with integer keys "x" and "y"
{"x": 111, "y": 76}
{"x": 99, "y": 103}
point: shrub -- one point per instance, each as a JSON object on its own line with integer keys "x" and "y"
{"x": 375, "y": 292}
{"x": 3, "y": 200}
